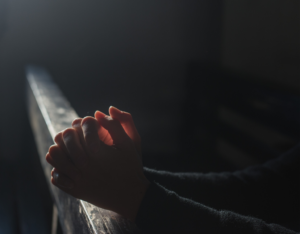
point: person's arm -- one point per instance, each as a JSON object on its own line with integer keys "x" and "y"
{"x": 269, "y": 191}
{"x": 164, "y": 211}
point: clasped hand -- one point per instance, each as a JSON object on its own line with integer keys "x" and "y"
{"x": 99, "y": 160}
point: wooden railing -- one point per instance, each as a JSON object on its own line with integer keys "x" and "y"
{"x": 49, "y": 113}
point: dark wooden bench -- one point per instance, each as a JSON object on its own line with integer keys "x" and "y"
{"x": 50, "y": 112}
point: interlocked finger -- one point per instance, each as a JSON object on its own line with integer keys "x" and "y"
{"x": 90, "y": 132}
{"x": 115, "y": 129}
{"x": 61, "y": 180}
{"x": 58, "y": 139}
{"x": 58, "y": 159}
{"x": 76, "y": 152}
{"x": 76, "y": 124}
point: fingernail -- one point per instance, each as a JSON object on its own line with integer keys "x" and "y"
{"x": 62, "y": 181}
{"x": 115, "y": 108}
{"x": 76, "y": 123}
{"x": 100, "y": 114}
{"x": 66, "y": 136}
{"x": 85, "y": 125}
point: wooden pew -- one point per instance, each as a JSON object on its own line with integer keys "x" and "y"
{"x": 50, "y": 112}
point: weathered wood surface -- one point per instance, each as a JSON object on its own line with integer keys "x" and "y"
{"x": 49, "y": 113}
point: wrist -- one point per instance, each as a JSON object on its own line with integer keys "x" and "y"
{"x": 134, "y": 200}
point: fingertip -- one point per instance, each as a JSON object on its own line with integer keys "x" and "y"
{"x": 114, "y": 112}
{"x": 53, "y": 149}
{"x": 49, "y": 159}
{"x": 88, "y": 120}
{"x": 67, "y": 132}
{"x": 76, "y": 122}
{"x": 113, "y": 108}
{"x": 58, "y": 138}
{"x": 127, "y": 116}
{"x": 99, "y": 115}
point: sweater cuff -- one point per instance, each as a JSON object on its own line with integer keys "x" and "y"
{"x": 163, "y": 211}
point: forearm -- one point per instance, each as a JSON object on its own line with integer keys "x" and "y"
{"x": 261, "y": 190}
{"x": 164, "y": 211}
{"x": 217, "y": 190}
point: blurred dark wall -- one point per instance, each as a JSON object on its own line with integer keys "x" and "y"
{"x": 154, "y": 38}
{"x": 261, "y": 38}
{"x": 135, "y": 54}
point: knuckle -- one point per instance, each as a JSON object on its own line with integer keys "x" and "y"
{"x": 53, "y": 150}
{"x": 68, "y": 131}
{"x": 76, "y": 122}
{"x": 48, "y": 157}
{"x": 89, "y": 123}
{"x": 88, "y": 120}
{"x": 69, "y": 135}
{"x": 58, "y": 137}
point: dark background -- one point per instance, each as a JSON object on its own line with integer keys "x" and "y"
{"x": 137, "y": 56}
{"x": 169, "y": 63}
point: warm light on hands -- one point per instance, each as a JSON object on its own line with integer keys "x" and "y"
{"x": 99, "y": 161}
